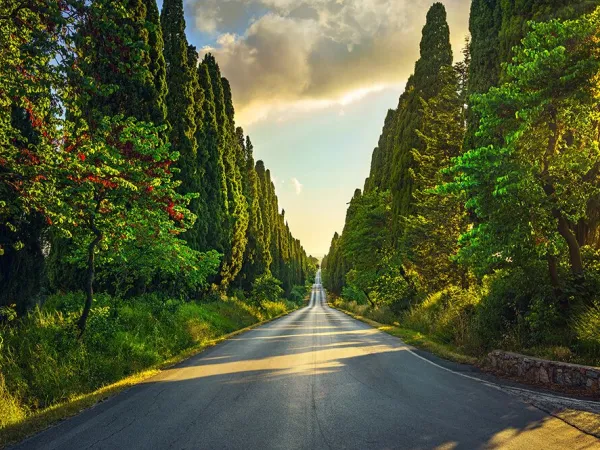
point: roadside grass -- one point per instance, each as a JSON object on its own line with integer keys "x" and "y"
{"x": 133, "y": 344}
{"x": 408, "y": 336}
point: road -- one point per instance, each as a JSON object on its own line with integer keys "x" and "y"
{"x": 315, "y": 379}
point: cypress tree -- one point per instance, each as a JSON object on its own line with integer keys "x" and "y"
{"x": 180, "y": 96}
{"x": 237, "y": 208}
{"x": 223, "y": 141}
{"x": 485, "y": 22}
{"x": 264, "y": 182}
{"x": 196, "y": 236}
{"x": 254, "y": 256}
{"x": 238, "y": 205}
{"x": 436, "y": 52}
{"x": 431, "y": 233}
{"x": 379, "y": 176}
{"x": 211, "y": 159}
{"x": 120, "y": 60}
{"x": 158, "y": 114}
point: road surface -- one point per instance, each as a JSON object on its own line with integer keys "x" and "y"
{"x": 315, "y": 379}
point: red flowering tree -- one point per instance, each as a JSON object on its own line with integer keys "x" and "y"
{"x": 119, "y": 194}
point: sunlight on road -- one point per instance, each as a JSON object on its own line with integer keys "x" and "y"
{"x": 307, "y": 362}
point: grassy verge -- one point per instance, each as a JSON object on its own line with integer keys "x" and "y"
{"x": 114, "y": 356}
{"x": 410, "y": 337}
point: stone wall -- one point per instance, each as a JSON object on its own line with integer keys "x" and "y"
{"x": 548, "y": 373}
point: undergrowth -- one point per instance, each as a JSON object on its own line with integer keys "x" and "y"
{"x": 43, "y": 363}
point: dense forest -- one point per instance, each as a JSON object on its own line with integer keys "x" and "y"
{"x": 134, "y": 220}
{"x": 479, "y": 222}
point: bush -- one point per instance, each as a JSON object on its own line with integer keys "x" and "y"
{"x": 586, "y": 326}
{"x": 447, "y": 314}
{"x": 266, "y": 288}
{"x": 299, "y": 293}
{"x": 353, "y": 294}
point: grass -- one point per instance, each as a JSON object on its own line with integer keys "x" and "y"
{"x": 408, "y": 336}
{"x": 126, "y": 344}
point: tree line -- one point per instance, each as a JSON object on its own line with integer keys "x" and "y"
{"x": 482, "y": 202}
{"x": 121, "y": 166}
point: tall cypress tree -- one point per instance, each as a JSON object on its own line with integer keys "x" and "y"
{"x": 121, "y": 61}
{"x": 436, "y": 52}
{"x": 211, "y": 159}
{"x": 254, "y": 256}
{"x": 381, "y": 164}
{"x": 237, "y": 208}
{"x": 180, "y": 96}
{"x": 264, "y": 182}
{"x": 196, "y": 235}
{"x": 223, "y": 140}
{"x": 158, "y": 114}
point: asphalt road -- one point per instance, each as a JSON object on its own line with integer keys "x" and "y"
{"x": 315, "y": 379}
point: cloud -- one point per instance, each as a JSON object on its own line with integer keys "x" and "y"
{"x": 297, "y": 185}
{"x": 311, "y": 54}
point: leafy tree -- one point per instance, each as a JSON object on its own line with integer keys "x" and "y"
{"x": 120, "y": 189}
{"x": 35, "y": 61}
{"x": 531, "y": 190}
{"x": 266, "y": 288}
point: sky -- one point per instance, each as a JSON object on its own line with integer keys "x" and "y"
{"x": 312, "y": 81}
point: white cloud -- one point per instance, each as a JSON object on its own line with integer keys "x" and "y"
{"x": 297, "y": 185}
{"x": 310, "y": 54}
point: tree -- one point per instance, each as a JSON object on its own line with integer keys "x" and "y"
{"x": 120, "y": 189}
{"x": 211, "y": 159}
{"x": 266, "y": 288}
{"x": 234, "y": 166}
{"x": 157, "y": 65}
{"x": 180, "y": 97}
{"x": 36, "y": 39}
{"x": 254, "y": 257}
{"x": 432, "y": 231}
{"x": 531, "y": 190}
{"x": 436, "y": 52}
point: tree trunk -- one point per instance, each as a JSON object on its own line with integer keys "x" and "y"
{"x": 553, "y": 271}
{"x": 369, "y": 299}
{"x": 89, "y": 285}
{"x": 574, "y": 250}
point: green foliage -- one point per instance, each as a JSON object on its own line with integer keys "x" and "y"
{"x": 587, "y": 329}
{"x": 352, "y": 294}
{"x": 43, "y": 362}
{"x": 266, "y": 288}
{"x": 431, "y": 232}
{"x": 494, "y": 209}
{"x": 436, "y": 53}
{"x": 529, "y": 191}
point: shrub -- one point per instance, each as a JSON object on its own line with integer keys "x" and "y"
{"x": 299, "y": 293}
{"x": 587, "y": 329}
{"x": 447, "y": 314}
{"x": 353, "y": 294}
{"x": 266, "y": 288}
